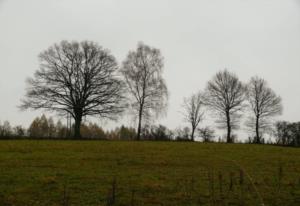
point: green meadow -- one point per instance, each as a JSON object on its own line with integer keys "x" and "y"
{"x": 58, "y": 172}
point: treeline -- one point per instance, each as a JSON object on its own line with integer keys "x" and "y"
{"x": 283, "y": 132}
{"x": 82, "y": 79}
{"x": 45, "y": 128}
{"x": 6, "y": 130}
{"x": 287, "y": 133}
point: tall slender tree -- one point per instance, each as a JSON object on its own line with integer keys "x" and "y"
{"x": 225, "y": 95}
{"x": 76, "y": 78}
{"x": 264, "y": 105}
{"x": 142, "y": 71}
{"x": 193, "y": 111}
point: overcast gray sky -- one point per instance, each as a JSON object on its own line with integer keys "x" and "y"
{"x": 196, "y": 37}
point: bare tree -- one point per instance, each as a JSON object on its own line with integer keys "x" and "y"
{"x": 193, "y": 111}
{"x": 225, "y": 95}
{"x": 264, "y": 105}
{"x": 207, "y": 134}
{"x": 77, "y": 79}
{"x": 5, "y": 129}
{"x": 142, "y": 71}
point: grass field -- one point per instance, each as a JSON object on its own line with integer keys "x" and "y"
{"x": 41, "y": 172}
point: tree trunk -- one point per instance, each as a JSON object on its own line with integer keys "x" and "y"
{"x": 229, "y": 140}
{"x": 139, "y": 124}
{"x": 78, "y": 120}
{"x": 193, "y": 132}
{"x": 257, "y": 138}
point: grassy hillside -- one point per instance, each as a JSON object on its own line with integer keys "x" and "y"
{"x": 147, "y": 173}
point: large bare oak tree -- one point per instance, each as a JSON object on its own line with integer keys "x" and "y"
{"x": 142, "y": 71}
{"x": 193, "y": 111}
{"x": 225, "y": 95}
{"x": 264, "y": 104}
{"x": 77, "y": 79}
